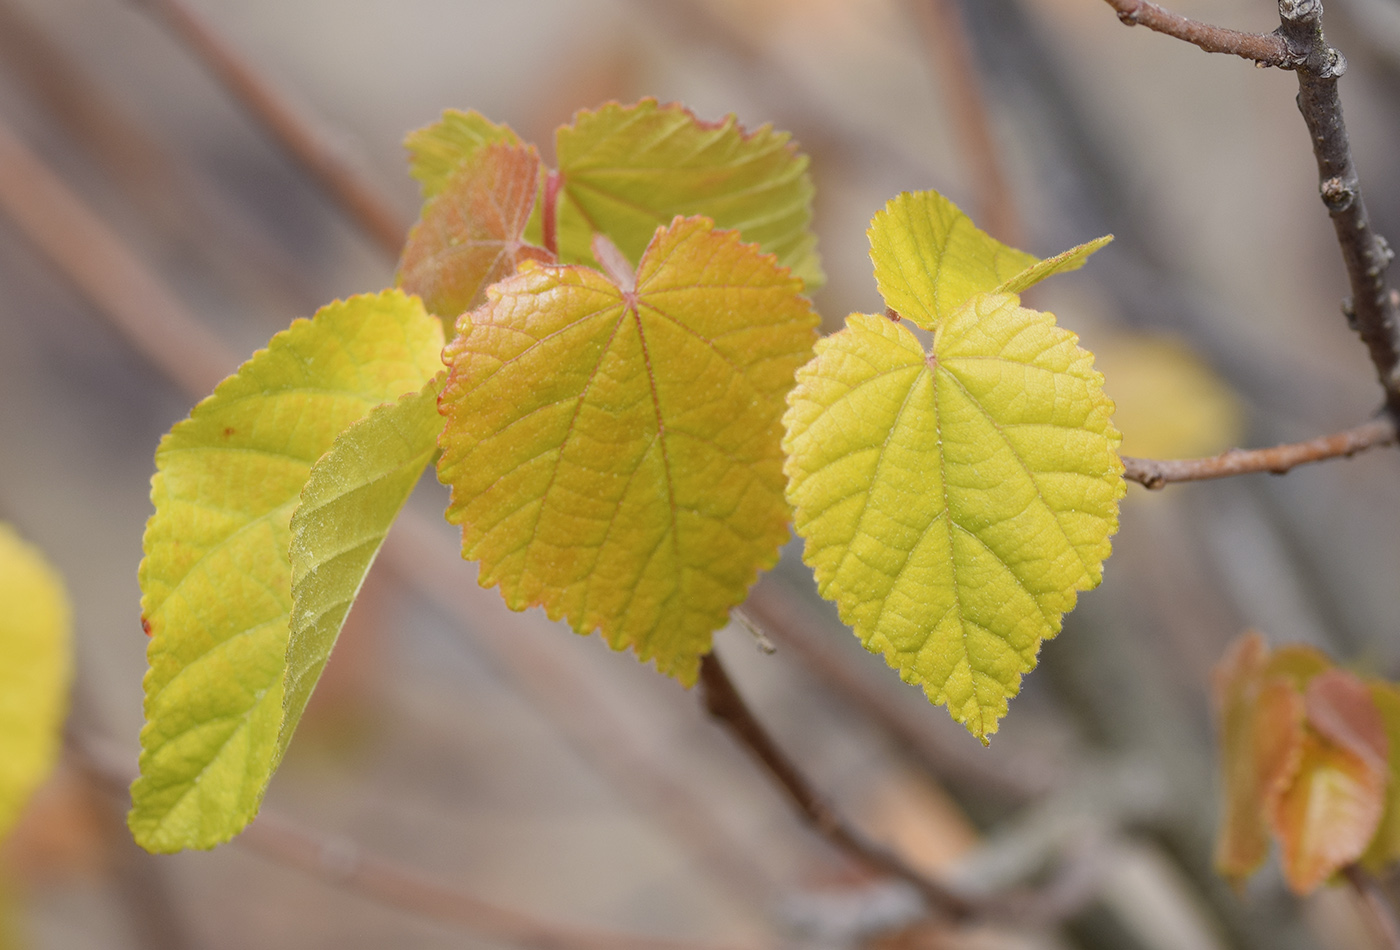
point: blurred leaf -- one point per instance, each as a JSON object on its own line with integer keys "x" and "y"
{"x": 471, "y": 233}
{"x": 352, "y": 496}
{"x": 1243, "y": 841}
{"x": 930, "y": 259}
{"x": 1327, "y": 816}
{"x": 627, "y": 170}
{"x": 953, "y": 502}
{"x": 216, "y": 579}
{"x": 1169, "y": 403}
{"x": 1385, "y": 846}
{"x": 36, "y": 660}
{"x": 613, "y": 452}
{"x": 438, "y": 150}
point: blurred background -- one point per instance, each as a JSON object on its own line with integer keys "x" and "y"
{"x": 469, "y": 777}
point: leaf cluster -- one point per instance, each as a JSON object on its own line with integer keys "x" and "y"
{"x": 628, "y": 410}
{"x": 1310, "y": 756}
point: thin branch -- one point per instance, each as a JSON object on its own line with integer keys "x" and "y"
{"x": 1379, "y": 914}
{"x": 309, "y": 145}
{"x": 341, "y": 863}
{"x": 1268, "y": 49}
{"x": 1374, "y": 309}
{"x": 1155, "y": 473}
{"x": 726, "y": 704}
{"x": 944, "y": 33}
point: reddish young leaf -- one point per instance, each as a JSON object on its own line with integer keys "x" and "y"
{"x": 1326, "y": 815}
{"x": 470, "y": 235}
{"x": 613, "y": 444}
{"x": 1243, "y": 842}
{"x": 1279, "y": 732}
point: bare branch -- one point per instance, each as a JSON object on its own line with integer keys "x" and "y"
{"x": 950, "y": 54}
{"x": 726, "y": 704}
{"x": 1374, "y": 309}
{"x": 1154, "y": 473}
{"x": 311, "y": 147}
{"x": 1268, "y": 49}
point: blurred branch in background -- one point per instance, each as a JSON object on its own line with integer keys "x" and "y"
{"x": 312, "y": 148}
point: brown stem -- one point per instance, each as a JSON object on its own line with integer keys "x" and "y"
{"x": 341, "y": 863}
{"x": 1374, "y": 309}
{"x": 1154, "y": 473}
{"x": 312, "y": 148}
{"x": 949, "y": 52}
{"x": 1379, "y": 914}
{"x": 726, "y": 704}
{"x": 1266, "y": 48}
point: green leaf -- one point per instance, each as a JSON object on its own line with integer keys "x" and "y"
{"x": 36, "y": 659}
{"x": 954, "y": 502}
{"x": 471, "y": 233}
{"x": 216, "y": 579}
{"x": 613, "y": 445}
{"x": 627, "y": 170}
{"x": 354, "y": 493}
{"x": 438, "y": 150}
{"x": 930, "y": 259}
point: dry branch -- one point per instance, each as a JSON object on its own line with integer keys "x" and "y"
{"x": 1155, "y": 473}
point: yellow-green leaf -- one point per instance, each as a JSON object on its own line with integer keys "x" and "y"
{"x": 35, "y": 668}
{"x": 627, "y": 170}
{"x": 613, "y": 450}
{"x": 216, "y": 578}
{"x": 1385, "y": 845}
{"x": 953, "y": 502}
{"x": 438, "y": 150}
{"x": 471, "y": 233}
{"x": 354, "y": 493}
{"x": 930, "y": 259}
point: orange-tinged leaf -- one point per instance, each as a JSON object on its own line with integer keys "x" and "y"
{"x": 1327, "y": 816}
{"x": 1243, "y": 842}
{"x": 438, "y": 150}
{"x": 614, "y": 453}
{"x": 471, "y": 233}
{"x": 1326, "y": 811}
{"x": 1278, "y": 740}
{"x": 1340, "y": 708}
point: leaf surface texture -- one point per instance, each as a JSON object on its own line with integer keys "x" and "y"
{"x": 216, "y": 579}
{"x": 614, "y": 454}
{"x": 627, "y": 170}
